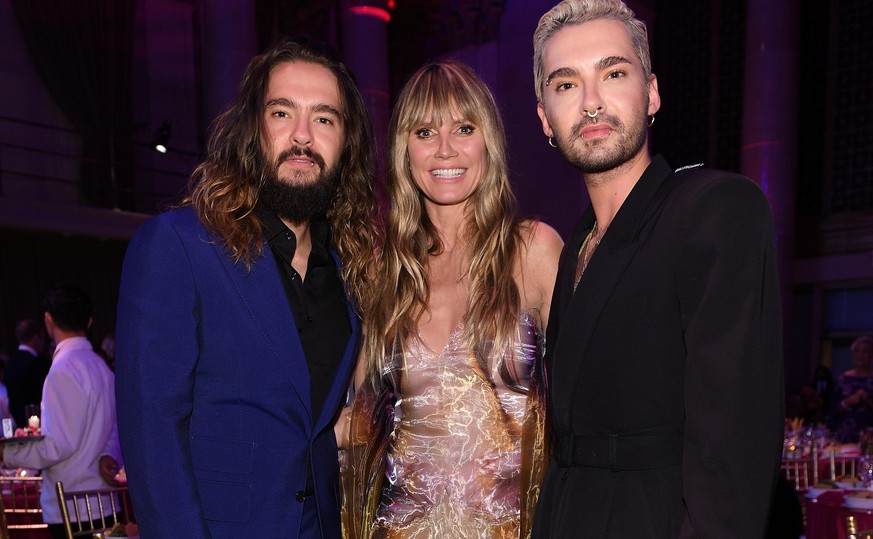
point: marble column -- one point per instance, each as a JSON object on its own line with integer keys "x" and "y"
{"x": 769, "y": 137}
{"x": 364, "y": 38}
{"x": 229, "y": 41}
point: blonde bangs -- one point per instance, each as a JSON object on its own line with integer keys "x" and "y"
{"x": 439, "y": 93}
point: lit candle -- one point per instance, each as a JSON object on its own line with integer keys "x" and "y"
{"x": 33, "y": 421}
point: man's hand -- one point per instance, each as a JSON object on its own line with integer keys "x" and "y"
{"x": 108, "y": 468}
{"x": 341, "y": 428}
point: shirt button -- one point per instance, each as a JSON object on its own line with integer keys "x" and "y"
{"x": 301, "y": 496}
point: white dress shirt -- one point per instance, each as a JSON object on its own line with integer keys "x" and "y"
{"x": 78, "y": 421}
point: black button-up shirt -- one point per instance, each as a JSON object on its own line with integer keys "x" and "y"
{"x": 317, "y": 302}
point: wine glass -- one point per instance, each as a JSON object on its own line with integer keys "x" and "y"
{"x": 865, "y": 471}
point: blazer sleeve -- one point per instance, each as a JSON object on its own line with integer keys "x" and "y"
{"x": 156, "y": 355}
{"x": 730, "y": 303}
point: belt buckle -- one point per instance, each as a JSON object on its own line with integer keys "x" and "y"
{"x": 566, "y": 445}
{"x": 613, "y": 452}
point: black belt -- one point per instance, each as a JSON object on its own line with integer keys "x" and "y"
{"x": 643, "y": 450}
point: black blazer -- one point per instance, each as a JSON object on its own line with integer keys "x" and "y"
{"x": 24, "y": 378}
{"x": 665, "y": 366}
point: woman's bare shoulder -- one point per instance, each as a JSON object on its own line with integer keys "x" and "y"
{"x": 540, "y": 240}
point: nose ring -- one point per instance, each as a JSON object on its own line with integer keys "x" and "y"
{"x": 596, "y": 112}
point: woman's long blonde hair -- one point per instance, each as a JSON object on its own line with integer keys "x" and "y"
{"x": 436, "y": 92}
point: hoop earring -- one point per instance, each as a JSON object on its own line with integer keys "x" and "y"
{"x": 651, "y": 120}
{"x": 552, "y": 142}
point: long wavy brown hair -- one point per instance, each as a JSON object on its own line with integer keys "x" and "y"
{"x": 435, "y": 92}
{"x": 224, "y": 188}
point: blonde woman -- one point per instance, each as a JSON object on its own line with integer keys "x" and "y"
{"x": 446, "y": 433}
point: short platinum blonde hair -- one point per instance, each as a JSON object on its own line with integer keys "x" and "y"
{"x": 575, "y": 12}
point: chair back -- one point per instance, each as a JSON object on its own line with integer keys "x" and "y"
{"x": 19, "y": 501}
{"x": 93, "y": 511}
{"x": 851, "y": 528}
{"x": 843, "y": 466}
{"x": 4, "y": 526}
{"x": 799, "y": 472}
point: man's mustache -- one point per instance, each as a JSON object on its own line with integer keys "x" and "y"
{"x": 297, "y": 151}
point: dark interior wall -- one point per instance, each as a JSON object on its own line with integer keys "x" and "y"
{"x": 546, "y": 185}
{"x": 698, "y": 51}
{"x": 34, "y": 261}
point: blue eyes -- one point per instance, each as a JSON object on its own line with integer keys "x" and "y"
{"x": 427, "y": 132}
{"x": 564, "y": 86}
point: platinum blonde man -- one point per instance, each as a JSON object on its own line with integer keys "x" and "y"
{"x": 664, "y": 345}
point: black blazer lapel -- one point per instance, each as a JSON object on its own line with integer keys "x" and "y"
{"x": 603, "y": 274}
{"x": 262, "y": 292}
{"x": 563, "y": 291}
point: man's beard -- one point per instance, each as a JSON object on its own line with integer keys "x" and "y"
{"x": 300, "y": 199}
{"x": 590, "y": 161}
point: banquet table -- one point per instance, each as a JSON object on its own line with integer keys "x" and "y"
{"x": 826, "y": 517}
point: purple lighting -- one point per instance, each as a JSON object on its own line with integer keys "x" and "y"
{"x": 370, "y": 11}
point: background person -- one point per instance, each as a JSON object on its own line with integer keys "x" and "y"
{"x": 852, "y": 408}
{"x": 27, "y": 368}
{"x": 78, "y": 412}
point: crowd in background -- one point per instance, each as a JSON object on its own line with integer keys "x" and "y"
{"x": 844, "y": 405}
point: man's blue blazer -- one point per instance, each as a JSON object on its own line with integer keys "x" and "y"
{"x": 212, "y": 386}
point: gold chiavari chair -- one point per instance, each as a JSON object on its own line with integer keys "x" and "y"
{"x": 799, "y": 472}
{"x": 96, "y": 511}
{"x": 852, "y": 530}
{"x": 19, "y": 501}
{"x": 843, "y": 466}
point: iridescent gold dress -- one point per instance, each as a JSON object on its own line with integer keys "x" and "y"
{"x": 450, "y": 452}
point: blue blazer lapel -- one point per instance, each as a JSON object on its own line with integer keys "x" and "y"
{"x": 344, "y": 369}
{"x": 264, "y": 295}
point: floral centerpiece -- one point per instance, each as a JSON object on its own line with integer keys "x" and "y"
{"x": 124, "y": 530}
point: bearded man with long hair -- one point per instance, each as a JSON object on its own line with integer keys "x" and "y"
{"x": 237, "y": 327}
